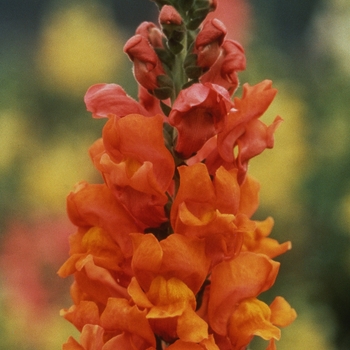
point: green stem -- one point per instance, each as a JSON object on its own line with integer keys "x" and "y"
{"x": 179, "y": 75}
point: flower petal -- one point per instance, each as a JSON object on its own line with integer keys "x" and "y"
{"x": 191, "y": 328}
{"x": 282, "y": 314}
{"x": 251, "y": 317}
{"x": 119, "y": 315}
{"x": 246, "y": 276}
{"x": 109, "y": 100}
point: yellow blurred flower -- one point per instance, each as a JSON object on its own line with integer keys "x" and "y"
{"x": 13, "y": 135}
{"x": 50, "y": 174}
{"x": 80, "y": 45}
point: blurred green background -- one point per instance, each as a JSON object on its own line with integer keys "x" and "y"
{"x": 52, "y": 51}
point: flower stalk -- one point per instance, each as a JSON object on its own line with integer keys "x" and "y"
{"x": 167, "y": 253}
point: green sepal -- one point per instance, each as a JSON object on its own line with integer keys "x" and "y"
{"x": 162, "y": 93}
{"x": 168, "y": 135}
{"x": 190, "y": 60}
{"x": 175, "y": 47}
{"x": 165, "y": 56}
{"x": 194, "y": 23}
{"x": 174, "y": 32}
{"x": 193, "y": 72}
{"x": 164, "y": 81}
{"x": 165, "y": 108}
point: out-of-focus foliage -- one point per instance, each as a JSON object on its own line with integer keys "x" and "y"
{"x": 51, "y": 51}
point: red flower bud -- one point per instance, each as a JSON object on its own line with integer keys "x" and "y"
{"x": 169, "y": 15}
{"x": 151, "y": 32}
{"x": 224, "y": 70}
{"x": 147, "y": 65}
{"x": 208, "y": 43}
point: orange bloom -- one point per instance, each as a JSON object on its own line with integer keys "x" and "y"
{"x": 93, "y": 205}
{"x": 166, "y": 252}
{"x": 232, "y": 281}
{"x": 258, "y": 241}
{"x": 165, "y": 284}
{"x": 137, "y": 168}
{"x": 166, "y": 258}
{"x": 216, "y": 210}
{"x": 253, "y": 317}
{"x": 91, "y": 338}
{"x": 243, "y": 130}
{"x": 170, "y": 305}
{"x": 129, "y": 322}
{"x": 122, "y": 324}
{"x": 250, "y": 318}
{"x": 96, "y": 262}
{"x": 203, "y": 108}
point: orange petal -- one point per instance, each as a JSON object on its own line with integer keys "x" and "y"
{"x": 138, "y": 295}
{"x": 191, "y": 328}
{"x": 253, "y": 104}
{"x": 119, "y": 315}
{"x": 185, "y": 258}
{"x": 246, "y": 276}
{"x": 249, "y": 200}
{"x": 147, "y": 258}
{"x": 94, "y": 205}
{"x": 169, "y": 297}
{"x": 129, "y": 137}
{"x": 272, "y": 345}
{"x": 137, "y": 168}
{"x": 91, "y": 337}
{"x": 108, "y": 100}
{"x": 86, "y": 312}
{"x": 206, "y": 344}
{"x": 250, "y": 318}
{"x": 282, "y": 314}
{"x": 97, "y": 282}
{"x": 227, "y": 191}
{"x": 72, "y": 344}
{"x": 195, "y": 185}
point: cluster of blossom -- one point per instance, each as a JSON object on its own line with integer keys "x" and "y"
{"x": 166, "y": 254}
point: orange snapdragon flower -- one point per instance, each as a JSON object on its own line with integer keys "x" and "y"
{"x": 136, "y": 166}
{"x": 167, "y": 253}
{"x": 201, "y": 107}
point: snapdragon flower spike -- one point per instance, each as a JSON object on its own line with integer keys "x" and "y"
{"x": 167, "y": 253}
